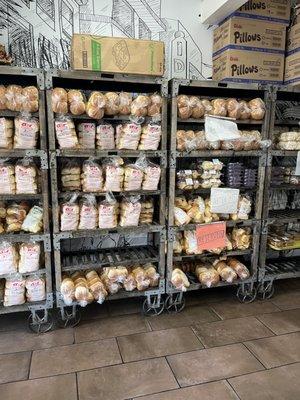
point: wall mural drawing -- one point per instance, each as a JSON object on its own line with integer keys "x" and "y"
{"x": 38, "y": 32}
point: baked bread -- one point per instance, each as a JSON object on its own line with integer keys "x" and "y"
{"x": 155, "y": 105}
{"x": 96, "y": 105}
{"x": 245, "y": 112}
{"x": 233, "y": 108}
{"x": 9, "y": 258}
{"x": 130, "y": 210}
{"x": 128, "y": 136}
{"x": 179, "y": 280}
{"x": 150, "y": 137}
{"x": 7, "y": 179}
{"x": 241, "y": 269}
{"x": 108, "y": 213}
{"x": 14, "y": 292}
{"x": 142, "y": 280}
{"x": 92, "y": 177}
{"x": 133, "y": 177}
{"x": 105, "y": 137}
{"x": 226, "y": 273}
{"x": 76, "y": 102}
{"x": 2, "y": 97}
{"x": 139, "y": 106}
{"x": 125, "y": 100}
{"x": 59, "y": 100}
{"x": 88, "y": 213}
{"x": 66, "y": 134}
{"x": 257, "y": 109}
{"x": 86, "y": 135}
{"x": 151, "y": 177}
{"x": 69, "y": 216}
{"x": 14, "y": 97}
{"x": 30, "y": 99}
{"x": 33, "y": 221}
{"x": 29, "y": 257}
{"x": 35, "y": 288}
{"x": 26, "y": 177}
{"x": 67, "y": 289}
{"x": 112, "y": 103}
{"x": 26, "y": 133}
{"x": 6, "y": 133}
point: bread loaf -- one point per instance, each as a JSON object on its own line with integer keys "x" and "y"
{"x": 66, "y": 134}
{"x": 108, "y": 212}
{"x": 105, "y": 137}
{"x": 112, "y": 103}
{"x": 33, "y": 222}
{"x": 114, "y": 175}
{"x": 142, "y": 280}
{"x": 26, "y": 177}
{"x": 6, "y": 133}
{"x": 30, "y": 99}
{"x": 14, "y": 97}
{"x": 88, "y": 214}
{"x": 96, "y": 286}
{"x": 29, "y": 257}
{"x": 7, "y": 179}
{"x": 241, "y": 269}
{"x": 96, "y": 105}
{"x": 155, "y": 105}
{"x": 151, "y": 177}
{"x": 128, "y": 137}
{"x": 226, "y": 273}
{"x": 179, "y": 280}
{"x": 69, "y": 217}
{"x": 130, "y": 210}
{"x": 35, "y": 288}
{"x": 150, "y": 137}
{"x": 133, "y": 177}
{"x": 207, "y": 275}
{"x": 67, "y": 289}
{"x": 76, "y": 102}
{"x": 91, "y": 177}
{"x": 59, "y": 99}
{"x": 87, "y": 135}
{"x": 9, "y": 258}
{"x": 139, "y": 106}
{"x": 26, "y": 133}
{"x": 70, "y": 177}
{"x": 14, "y": 292}
{"x": 125, "y": 100}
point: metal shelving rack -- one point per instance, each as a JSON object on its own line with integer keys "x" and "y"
{"x": 153, "y": 249}
{"x": 209, "y": 89}
{"x": 275, "y": 265}
{"x": 40, "y": 319}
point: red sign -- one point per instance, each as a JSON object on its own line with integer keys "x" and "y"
{"x": 211, "y": 236}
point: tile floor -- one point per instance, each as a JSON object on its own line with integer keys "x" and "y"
{"x": 216, "y": 349}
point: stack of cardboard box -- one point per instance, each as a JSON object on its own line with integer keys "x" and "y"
{"x": 292, "y": 62}
{"x": 250, "y": 45}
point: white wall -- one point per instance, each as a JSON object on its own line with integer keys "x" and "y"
{"x": 38, "y": 32}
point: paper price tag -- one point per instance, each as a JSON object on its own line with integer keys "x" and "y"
{"x": 297, "y": 171}
{"x": 211, "y": 236}
{"x": 220, "y": 129}
{"x": 224, "y": 200}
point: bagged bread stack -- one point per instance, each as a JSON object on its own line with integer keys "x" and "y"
{"x": 150, "y": 137}
{"x": 7, "y": 178}
{"x": 70, "y": 177}
{"x": 82, "y": 293}
{"x": 125, "y": 100}
{"x": 26, "y": 177}
{"x": 240, "y": 269}
{"x": 26, "y": 133}
{"x": 108, "y": 212}
{"x": 96, "y": 286}
{"x": 139, "y": 106}
{"x": 179, "y": 280}
{"x": 33, "y": 221}
{"x": 69, "y": 215}
{"x": 35, "y": 289}
{"x": 112, "y": 103}
{"x": 114, "y": 174}
{"x": 133, "y": 177}
{"x": 151, "y": 175}
{"x": 154, "y": 108}
{"x": 6, "y": 133}
{"x": 9, "y": 258}
{"x": 128, "y": 136}
{"x": 241, "y": 238}
{"x": 96, "y": 105}
{"x": 130, "y": 210}
{"x": 289, "y": 141}
{"x": 2, "y": 97}
{"x": 88, "y": 214}
{"x": 30, "y": 99}
{"x": 15, "y": 215}
{"x": 14, "y": 292}
{"x": 147, "y": 211}
{"x": 14, "y": 97}
{"x": 29, "y": 260}
{"x": 76, "y": 102}
{"x": 105, "y": 137}
{"x": 226, "y": 273}
{"x": 190, "y": 244}
{"x": 91, "y": 177}
{"x": 211, "y": 173}
{"x": 87, "y": 135}
{"x": 207, "y": 275}
{"x": 141, "y": 278}
{"x": 66, "y": 134}
{"x": 59, "y": 99}
{"x": 67, "y": 289}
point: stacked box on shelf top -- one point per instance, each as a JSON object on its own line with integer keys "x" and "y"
{"x": 135, "y": 106}
{"x": 24, "y": 222}
{"x": 280, "y": 249}
{"x": 197, "y": 165}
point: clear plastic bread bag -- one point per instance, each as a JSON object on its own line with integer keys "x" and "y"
{"x": 207, "y": 275}
{"x": 150, "y": 137}
{"x": 69, "y": 214}
{"x": 67, "y": 289}
{"x": 30, "y": 99}
{"x": 65, "y": 133}
{"x": 26, "y": 176}
{"x": 184, "y": 106}
{"x": 181, "y": 217}
{"x": 125, "y": 100}
{"x": 9, "y": 258}
{"x": 245, "y": 111}
{"x": 226, "y": 273}
{"x": 114, "y": 174}
{"x": 96, "y": 286}
{"x": 190, "y": 243}
{"x": 59, "y": 100}
{"x": 129, "y": 283}
{"x": 14, "y": 97}
{"x": 14, "y": 292}
{"x": 257, "y": 109}
{"x": 7, "y": 177}
{"x": 6, "y": 133}
{"x": 108, "y": 211}
{"x": 30, "y": 255}
{"x": 142, "y": 280}
{"x": 112, "y": 103}
{"x": 152, "y": 274}
{"x": 129, "y": 136}
{"x": 15, "y": 216}
{"x": 2, "y": 97}
{"x": 26, "y": 132}
{"x": 152, "y": 173}
{"x": 33, "y": 221}
{"x": 243, "y": 209}
{"x": 219, "y": 107}
{"x": 88, "y": 214}
{"x": 133, "y": 177}
{"x": 87, "y": 135}
{"x": 139, "y": 106}
{"x": 130, "y": 209}
{"x": 96, "y": 105}
{"x": 35, "y": 288}
{"x": 179, "y": 280}
{"x": 76, "y": 101}
{"x": 70, "y": 176}
{"x": 82, "y": 293}
{"x": 155, "y": 105}
{"x": 92, "y": 176}
{"x": 241, "y": 269}
{"x": 147, "y": 211}
{"x": 105, "y": 137}
{"x": 233, "y": 108}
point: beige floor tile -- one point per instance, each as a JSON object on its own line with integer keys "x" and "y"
{"x": 282, "y": 322}
{"x": 61, "y": 387}
{"x": 213, "y": 364}
{"x": 110, "y": 327}
{"x": 14, "y": 367}
{"x": 12, "y": 342}
{"x": 287, "y": 300}
{"x": 278, "y": 350}
{"x": 208, "y": 391}
{"x": 77, "y": 357}
{"x": 281, "y": 383}
{"x": 126, "y": 381}
{"x": 158, "y": 344}
{"x": 231, "y": 331}
{"x": 235, "y": 309}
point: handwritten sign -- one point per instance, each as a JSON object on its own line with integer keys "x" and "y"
{"x": 224, "y": 200}
{"x": 297, "y": 171}
{"x": 211, "y": 236}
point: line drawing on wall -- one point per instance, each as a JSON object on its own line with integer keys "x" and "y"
{"x": 38, "y": 32}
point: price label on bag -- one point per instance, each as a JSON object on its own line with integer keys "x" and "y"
{"x": 211, "y": 236}
{"x": 297, "y": 171}
{"x": 224, "y": 200}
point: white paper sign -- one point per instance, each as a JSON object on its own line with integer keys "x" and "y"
{"x": 224, "y": 200}
{"x": 220, "y": 129}
{"x": 297, "y": 171}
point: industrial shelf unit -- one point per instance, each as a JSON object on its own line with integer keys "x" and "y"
{"x": 40, "y": 319}
{"x": 209, "y": 89}
{"x": 274, "y": 264}
{"x": 94, "y": 255}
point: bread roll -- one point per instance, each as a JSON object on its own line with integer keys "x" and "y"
{"x": 133, "y": 177}
{"x": 198, "y": 109}
{"x": 151, "y": 274}
{"x": 35, "y": 288}
{"x": 257, "y": 109}
{"x": 6, "y": 133}
{"x": 114, "y": 176}
{"x": 76, "y": 102}
{"x": 139, "y": 106}
{"x": 96, "y": 286}
{"x": 14, "y": 97}
{"x": 245, "y": 111}
{"x": 130, "y": 210}
{"x": 207, "y": 275}
{"x": 96, "y": 105}
{"x": 29, "y": 257}
{"x": 179, "y": 280}
{"x": 219, "y": 107}
{"x": 233, "y": 108}
{"x": 30, "y": 99}
{"x": 129, "y": 283}
{"x": 125, "y": 100}
{"x": 208, "y": 108}
{"x": 2, "y": 97}
{"x": 59, "y": 99}
{"x": 26, "y": 133}
{"x": 155, "y": 105}
{"x": 112, "y": 103}
{"x": 33, "y": 222}
{"x": 105, "y": 137}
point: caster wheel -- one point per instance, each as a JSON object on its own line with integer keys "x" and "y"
{"x": 265, "y": 291}
{"x": 40, "y": 324}
{"x": 246, "y": 294}
{"x": 174, "y": 305}
{"x": 152, "y": 310}
{"x": 70, "y": 320}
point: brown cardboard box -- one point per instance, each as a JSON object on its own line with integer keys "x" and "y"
{"x": 251, "y": 34}
{"x": 117, "y": 55}
{"x": 271, "y": 10}
{"x": 248, "y": 66}
{"x": 293, "y": 39}
{"x": 292, "y": 69}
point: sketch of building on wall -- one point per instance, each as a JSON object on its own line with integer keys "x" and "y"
{"x": 38, "y": 32}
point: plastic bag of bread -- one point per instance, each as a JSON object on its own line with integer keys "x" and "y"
{"x": 155, "y": 105}
{"x": 2, "y": 229}
{"x": 245, "y": 112}
{"x": 3, "y": 209}
{"x": 243, "y": 209}
{"x": 92, "y": 176}
{"x": 178, "y": 243}
{"x": 142, "y": 280}
{"x": 252, "y": 140}
{"x": 105, "y": 137}
{"x": 67, "y": 290}
{"x": 147, "y": 211}
{"x": 112, "y": 103}
{"x": 6, "y": 133}
{"x": 2, "y": 97}
{"x": 69, "y": 214}
{"x": 208, "y": 108}
{"x": 9, "y": 258}
{"x": 129, "y": 283}
{"x": 66, "y": 134}
{"x": 88, "y": 214}
{"x": 26, "y": 132}
{"x": 87, "y": 135}
{"x": 59, "y": 100}
{"x": 70, "y": 176}
{"x": 233, "y": 108}
{"x": 15, "y": 215}
{"x": 179, "y": 280}
{"x": 196, "y": 212}
{"x": 108, "y": 211}
{"x": 7, "y": 178}
{"x": 125, "y": 100}
{"x": 241, "y": 238}
{"x": 116, "y": 274}
{"x": 241, "y": 269}
{"x": 111, "y": 286}
{"x": 184, "y": 106}
{"x": 96, "y": 286}
{"x": 139, "y": 106}
{"x": 33, "y": 221}
{"x": 190, "y": 244}
{"x": 257, "y": 109}
{"x": 219, "y": 107}
{"x": 14, "y": 97}
{"x": 151, "y": 274}
{"x": 76, "y": 101}
{"x": 96, "y": 105}
{"x": 82, "y": 293}
{"x": 151, "y": 174}
{"x": 198, "y": 109}
{"x": 128, "y": 136}
{"x": 29, "y": 260}
{"x": 114, "y": 174}
{"x": 130, "y": 210}
{"x": 150, "y": 137}
{"x": 133, "y": 177}
{"x": 226, "y": 273}
{"x": 181, "y": 217}
{"x": 30, "y": 99}
{"x": 207, "y": 275}
{"x": 26, "y": 176}
{"x": 35, "y": 288}
{"x": 14, "y": 292}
